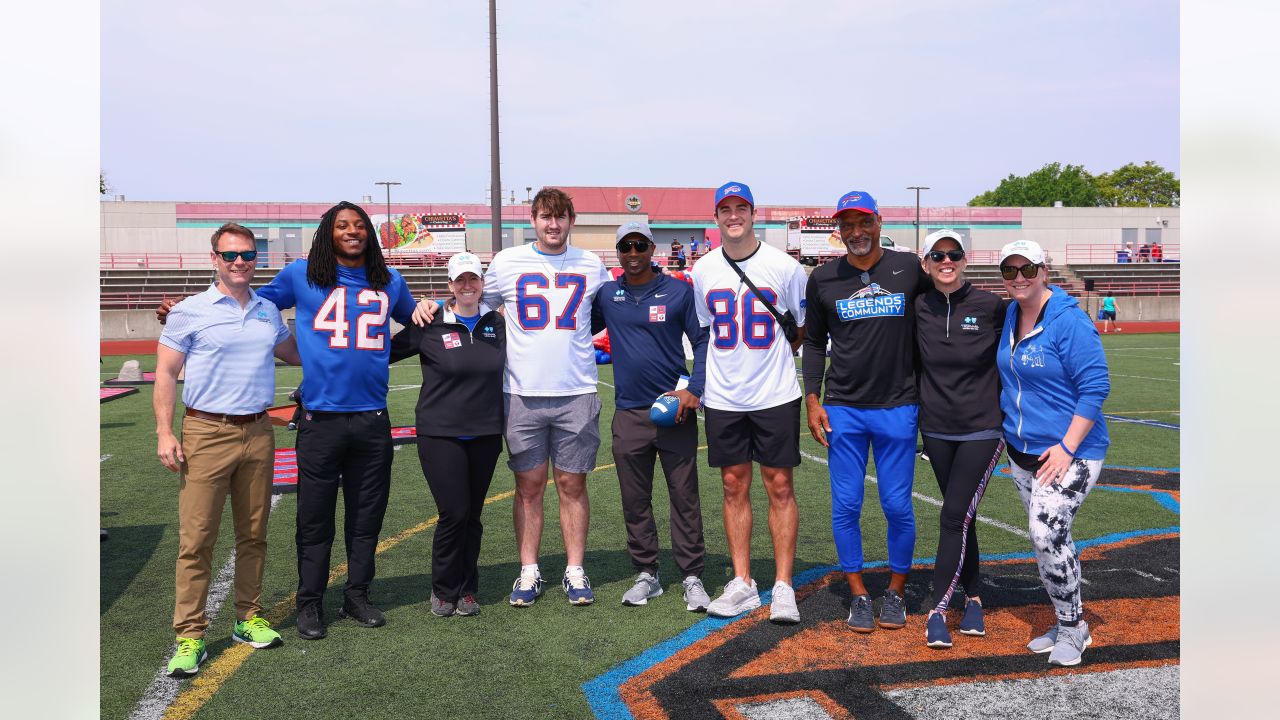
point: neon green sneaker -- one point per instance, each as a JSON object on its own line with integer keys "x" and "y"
{"x": 257, "y": 632}
{"x": 187, "y": 660}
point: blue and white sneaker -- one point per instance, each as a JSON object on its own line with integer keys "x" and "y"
{"x": 526, "y": 590}
{"x": 578, "y": 588}
{"x": 972, "y": 623}
{"x": 936, "y": 634}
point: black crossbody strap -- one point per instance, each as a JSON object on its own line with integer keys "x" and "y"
{"x": 756, "y": 291}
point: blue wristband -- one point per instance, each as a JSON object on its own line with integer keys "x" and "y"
{"x": 1064, "y": 448}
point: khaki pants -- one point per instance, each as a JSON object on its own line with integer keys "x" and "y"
{"x": 221, "y": 459}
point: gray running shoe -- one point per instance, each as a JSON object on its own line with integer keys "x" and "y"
{"x": 1045, "y": 642}
{"x": 696, "y": 598}
{"x": 893, "y": 611}
{"x": 441, "y": 608}
{"x": 738, "y": 597}
{"x": 645, "y": 587}
{"x": 861, "y": 614}
{"x": 1071, "y": 644}
{"x": 783, "y": 607}
{"x": 467, "y": 606}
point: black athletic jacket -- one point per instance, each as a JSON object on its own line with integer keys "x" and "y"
{"x": 461, "y": 392}
{"x": 958, "y": 336}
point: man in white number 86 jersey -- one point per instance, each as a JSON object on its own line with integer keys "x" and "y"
{"x": 752, "y": 397}
{"x": 552, "y": 409}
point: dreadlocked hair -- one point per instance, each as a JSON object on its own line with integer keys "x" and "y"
{"x": 322, "y": 262}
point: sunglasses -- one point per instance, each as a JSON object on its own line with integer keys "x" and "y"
{"x": 939, "y": 255}
{"x": 1009, "y": 272}
{"x": 231, "y": 255}
{"x": 626, "y": 246}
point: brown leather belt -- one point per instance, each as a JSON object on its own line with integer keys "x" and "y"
{"x": 218, "y": 417}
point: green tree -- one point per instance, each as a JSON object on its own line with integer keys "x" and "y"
{"x": 103, "y": 187}
{"x": 1071, "y": 184}
{"x": 1145, "y": 185}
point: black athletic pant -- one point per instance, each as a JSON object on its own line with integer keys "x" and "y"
{"x": 636, "y": 442}
{"x": 356, "y": 448}
{"x": 458, "y": 473}
{"x": 962, "y": 469}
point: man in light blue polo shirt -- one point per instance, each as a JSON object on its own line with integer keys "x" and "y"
{"x": 227, "y": 337}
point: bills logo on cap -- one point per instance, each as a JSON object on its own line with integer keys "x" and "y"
{"x": 851, "y": 199}
{"x": 451, "y": 341}
{"x": 733, "y": 188}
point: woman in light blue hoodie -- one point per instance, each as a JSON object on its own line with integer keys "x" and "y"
{"x": 1054, "y": 380}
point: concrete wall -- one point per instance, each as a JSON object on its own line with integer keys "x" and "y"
{"x": 1144, "y": 309}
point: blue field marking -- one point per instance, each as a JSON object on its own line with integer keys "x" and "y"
{"x": 1141, "y": 421}
{"x": 603, "y": 691}
{"x": 1165, "y": 498}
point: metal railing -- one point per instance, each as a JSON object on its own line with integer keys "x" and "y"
{"x": 1122, "y": 255}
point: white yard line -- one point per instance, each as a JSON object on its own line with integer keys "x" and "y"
{"x": 1143, "y": 377}
{"x": 163, "y": 689}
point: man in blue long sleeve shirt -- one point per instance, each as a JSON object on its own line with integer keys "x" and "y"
{"x": 647, "y": 314}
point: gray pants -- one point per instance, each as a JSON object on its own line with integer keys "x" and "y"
{"x": 1050, "y": 511}
{"x": 636, "y": 441}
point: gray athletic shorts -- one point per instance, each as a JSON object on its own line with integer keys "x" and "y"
{"x": 562, "y": 429}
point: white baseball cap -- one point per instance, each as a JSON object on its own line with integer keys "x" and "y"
{"x": 465, "y": 262}
{"x": 1028, "y": 249}
{"x": 932, "y": 239}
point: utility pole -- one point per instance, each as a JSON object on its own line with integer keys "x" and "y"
{"x": 495, "y": 183}
{"x": 917, "y": 188}
{"x": 388, "y": 184}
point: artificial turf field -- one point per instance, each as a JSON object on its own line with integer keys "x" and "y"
{"x": 558, "y": 661}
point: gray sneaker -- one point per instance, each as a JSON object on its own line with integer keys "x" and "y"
{"x": 861, "y": 614}
{"x": 1071, "y": 644}
{"x": 645, "y": 587}
{"x": 738, "y": 597}
{"x": 467, "y": 606}
{"x": 1045, "y": 642}
{"x": 441, "y": 608}
{"x": 696, "y": 598}
{"x": 893, "y": 611}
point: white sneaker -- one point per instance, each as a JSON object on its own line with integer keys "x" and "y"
{"x": 696, "y": 598}
{"x": 738, "y": 597}
{"x": 783, "y": 608}
{"x": 645, "y": 588}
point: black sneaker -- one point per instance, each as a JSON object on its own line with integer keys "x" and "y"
{"x": 357, "y": 607}
{"x": 311, "y": 622}
{"x": 893, "y": 611}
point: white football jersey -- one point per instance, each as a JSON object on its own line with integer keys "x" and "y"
{"x": 548, "y": 311}
{"x": 750, "y": 365}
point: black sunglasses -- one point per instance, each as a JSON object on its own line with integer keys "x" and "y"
{"x": 230, "y": 255}
{"x": 939, "y": 255}
{"x": 626, "y": 246}
{"x": 1009, "y": 272}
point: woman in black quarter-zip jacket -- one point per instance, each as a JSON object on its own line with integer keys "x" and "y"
{"x": 958, "y": 331}
{"x": 459, "y": 426}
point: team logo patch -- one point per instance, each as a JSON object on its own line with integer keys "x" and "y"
{"x": 619, "y": 295}
{"x": 451, "y": 341}
{"x": 1031, "y": 355}
{"x": 969, "y": 323}
{"x": 262, "y": 316}
{"x": 872, "y": 301}
{"x": 657, "y": 313}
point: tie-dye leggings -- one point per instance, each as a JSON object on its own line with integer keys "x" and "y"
{"x": 1050, "y": 511}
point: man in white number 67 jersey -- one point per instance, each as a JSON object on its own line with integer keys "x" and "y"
{"x": 552, "y": 410}
{"x": 752, "y": 397}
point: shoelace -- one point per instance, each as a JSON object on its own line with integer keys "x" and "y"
{"x": 188, "y": 646}
{"x": 469, "y": 599}
{"x": 257, "y": 622}
{"x": 578, "y": 582}
{"x": 691, "y": 583}
{"x": 527, "y": 582}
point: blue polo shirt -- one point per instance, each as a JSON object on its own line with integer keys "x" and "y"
{"x": 230, "y": 365}
{"x": 645, "y": 327}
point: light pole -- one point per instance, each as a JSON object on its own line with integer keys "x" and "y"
{"x": 917, "y": 188}
{"x": 388, "y": 184}
{"x": 495, "y": 181}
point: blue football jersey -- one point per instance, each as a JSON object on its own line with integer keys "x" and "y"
{"x": 344, "y": 335}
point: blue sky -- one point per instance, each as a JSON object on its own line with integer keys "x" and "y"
{"x": 293, "y": 100}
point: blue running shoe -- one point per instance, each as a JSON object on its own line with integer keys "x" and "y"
{"x": 972, "y": 622}
{"x": 526, "y": 590}
{"x": 578, "y": 588}
{"x": 861, "y": 615}
{"x": 936, "y": 634}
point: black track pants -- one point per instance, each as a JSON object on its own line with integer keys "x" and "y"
{"x": 458, "y": 473}
{"x": 962, "y": 469}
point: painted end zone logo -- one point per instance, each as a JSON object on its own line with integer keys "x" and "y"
{"x": 872, "y": 301}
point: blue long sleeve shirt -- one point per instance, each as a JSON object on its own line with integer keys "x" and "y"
{"x": 645, "y": 325}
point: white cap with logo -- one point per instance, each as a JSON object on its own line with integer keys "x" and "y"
{"x": 465, "y": 262}
{"x": 1028, "y": 249}
{"x": 932, "y": 239}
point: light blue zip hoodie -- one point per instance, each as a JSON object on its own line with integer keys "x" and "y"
{"x": 1058, "y": 370}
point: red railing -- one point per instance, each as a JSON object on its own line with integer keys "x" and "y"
{"x": 1117, "y": 253}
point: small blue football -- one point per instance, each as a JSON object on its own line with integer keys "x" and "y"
{"x": 663, "y": 411}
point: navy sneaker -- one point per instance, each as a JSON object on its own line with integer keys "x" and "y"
{"x": 861, "y": 615}
{"x": 525, "y": 590}
{"x": 893, "y": 611}
{"x": 578, "y": 588}
{"x": 936, "y": 634}
{"x": 972, "y": 622}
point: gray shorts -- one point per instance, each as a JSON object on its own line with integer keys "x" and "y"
{"x": 564, "y": 429}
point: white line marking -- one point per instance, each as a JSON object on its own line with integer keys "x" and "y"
{"x": 1143, "y": 377}
{"x": 163, "y": 689}
{"x": 1148, "y": 357}
{"x": 1154, "y": 347}
{"x": 935, "y": 502}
